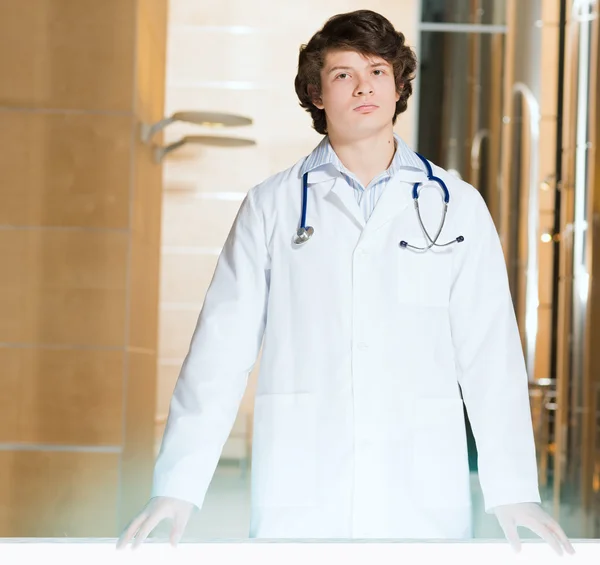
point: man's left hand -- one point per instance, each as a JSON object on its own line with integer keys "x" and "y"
{"x": 530, "y": 515}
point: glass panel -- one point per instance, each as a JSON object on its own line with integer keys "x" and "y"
{"x": 460, "y": 106}
{"x": 464, "y": 11}
{"x": 580, "y": 448}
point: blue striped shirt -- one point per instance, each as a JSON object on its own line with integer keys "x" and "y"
{"x": 367, "y": 197}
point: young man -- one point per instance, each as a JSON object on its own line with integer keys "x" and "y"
{"x": 370, "y": 346}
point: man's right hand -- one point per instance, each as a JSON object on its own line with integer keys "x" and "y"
{"x": 158, "y": 509}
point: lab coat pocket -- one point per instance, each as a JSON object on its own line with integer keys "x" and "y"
{"x": 284, "y": 450}
{"x": 424, "y": 277}
{"x": 440, "y": 455}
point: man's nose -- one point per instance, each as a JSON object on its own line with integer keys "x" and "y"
{"x": 364, "y": 88}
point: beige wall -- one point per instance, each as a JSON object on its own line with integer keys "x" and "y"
{"x": 80, "y": 210}
{"x": 241, "y": 57}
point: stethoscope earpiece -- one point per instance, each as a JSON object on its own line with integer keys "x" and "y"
{"x": 404, "y": 244}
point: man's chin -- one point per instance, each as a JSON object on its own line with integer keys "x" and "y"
{"x": 359, "y": 129}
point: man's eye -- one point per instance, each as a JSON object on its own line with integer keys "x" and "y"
{"x": 342, "y": 75}
{"x": 378, "y": 71}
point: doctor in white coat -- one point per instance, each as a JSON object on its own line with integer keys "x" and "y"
{"x": 369, "y": 348}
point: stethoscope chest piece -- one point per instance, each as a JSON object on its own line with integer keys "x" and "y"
{"x": 303, "y": 235}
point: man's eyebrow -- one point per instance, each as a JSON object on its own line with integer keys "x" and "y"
{"x": 379, "y": 64}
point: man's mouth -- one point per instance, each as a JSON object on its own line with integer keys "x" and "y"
{"x": 366, "y": 108}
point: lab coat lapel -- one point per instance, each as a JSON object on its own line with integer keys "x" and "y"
{"x": 344, "y": 195}
{"x": 394, "y": 199}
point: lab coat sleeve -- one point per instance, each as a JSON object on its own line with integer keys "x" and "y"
{"x": 223, "y": 351}
{"x": 491, "y": 366}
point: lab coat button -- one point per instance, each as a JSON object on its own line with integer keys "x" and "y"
{"x": 362, "y": 346}
{"x": 362, "y": 251}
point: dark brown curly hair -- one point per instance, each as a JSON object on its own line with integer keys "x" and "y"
{"x": 365, "y": 32}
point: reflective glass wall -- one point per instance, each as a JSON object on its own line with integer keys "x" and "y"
{"x": 508, "y": 101}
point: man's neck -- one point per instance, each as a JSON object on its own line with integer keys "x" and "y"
{"x": 367, "y": 157}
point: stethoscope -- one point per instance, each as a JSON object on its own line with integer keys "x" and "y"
{"x": 304, "y": 232}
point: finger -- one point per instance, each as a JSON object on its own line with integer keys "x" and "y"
{"x": 151, "y": 522}
{"x": 512, "y": 535}
{"x": 131, "y": 529}
{"x": 544, "y": 532}
{"x": 179, "y": 524}
{"x": 561, "y": 536}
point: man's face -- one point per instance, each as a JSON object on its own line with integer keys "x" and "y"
{"x": 358, "y": 94}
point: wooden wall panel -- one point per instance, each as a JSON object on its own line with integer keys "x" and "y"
{"x": 61, "y": 396}
{"x": 80, "y": 220}
{"x": 58, "y": 494}
{"x": 63, "y": 286}
{"x": 68, "y": 54}
{"x": 65, "y": 169}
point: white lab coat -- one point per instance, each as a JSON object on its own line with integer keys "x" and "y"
{"x": 358, "y": 427}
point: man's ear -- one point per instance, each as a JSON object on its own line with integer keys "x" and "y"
{"x": 399, "y": 91}
{"x": 315, "y": 96}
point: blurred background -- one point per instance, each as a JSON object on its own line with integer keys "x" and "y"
{"x": 130, "y": 131}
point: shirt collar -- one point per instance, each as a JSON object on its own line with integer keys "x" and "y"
{"x": 324, "y": 156}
